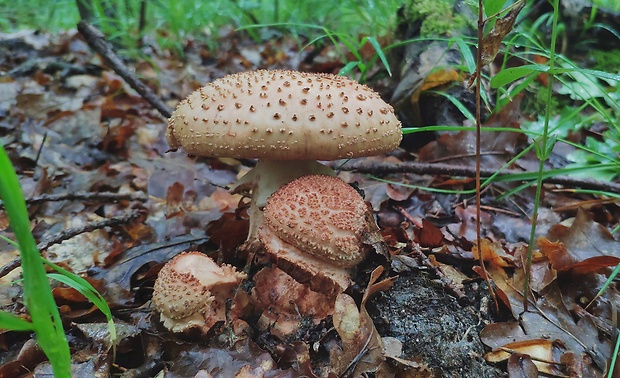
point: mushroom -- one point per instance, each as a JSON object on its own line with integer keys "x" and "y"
{"x": 317, "y": 228}
{"x": 287, "y": 306}
{"x": 191, "y": 291}
{"x": 287, "y": 120}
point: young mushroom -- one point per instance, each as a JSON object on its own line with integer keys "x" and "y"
{"x": 317, "y": 228}
{"x": 191, "y": 291}
{"x": 287, "y": 120}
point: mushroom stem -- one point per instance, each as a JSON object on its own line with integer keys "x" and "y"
{"x": 267, "y": 177}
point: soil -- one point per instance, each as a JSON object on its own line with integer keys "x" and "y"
{"x": 433, "y": 327}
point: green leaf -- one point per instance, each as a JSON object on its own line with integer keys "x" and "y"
{"x": 509, "y": 75}
{"x": 468, "y": 56}
{"x": 37, "y": 292}
{"x": 375, "y": 44}
{"x": 492, "y": 7}
{"x": 87, "y": 290}
{"x": 13, "y": 322}
{"x": 348, "y": 68}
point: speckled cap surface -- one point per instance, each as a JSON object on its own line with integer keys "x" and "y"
{"x": 320, "y": 215}
{"x": 284, "y": 115}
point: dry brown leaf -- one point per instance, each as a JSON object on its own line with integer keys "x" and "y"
{"x": 449, "y": 271}
{"x": 436, "y": 79}
{"x": 492, "y": 41}
{"x": 428, "y": 235}
{"x": 545, "y": 354}
{"x": 362, "y": 348}
{"x": 582, "y": 240}
{"x": 374, "y": 286}
{"x": 521, "y": 366}
{"x": 546, "y": 318}
{"x": 493, "y": 253}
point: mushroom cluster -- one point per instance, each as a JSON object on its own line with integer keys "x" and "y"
{"x": 286, "y": 119}
{"x": 191, "y": 291}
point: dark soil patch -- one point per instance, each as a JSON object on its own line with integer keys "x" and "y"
{"x": 433, "y": 327}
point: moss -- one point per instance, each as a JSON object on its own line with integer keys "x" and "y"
{"x": 535, "y": 101}
{"x": 608, "y": 61}
{"x": 437, "y": 16}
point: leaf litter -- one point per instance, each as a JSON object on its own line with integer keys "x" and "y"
{"x": 82, "y": 129}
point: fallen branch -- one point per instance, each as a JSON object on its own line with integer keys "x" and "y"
{"x": 96, "y": 41}
{"x": 71, "y": 232}
{"x": 380, "y": 168}
{"x": 85, "y": 196}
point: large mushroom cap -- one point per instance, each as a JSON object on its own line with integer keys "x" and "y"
{"x": 284, "y": 115}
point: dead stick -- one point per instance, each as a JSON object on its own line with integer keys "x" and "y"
{"x": 378, "y": 168}
{"x": 96, "y": 41}
{"x": 71, "y": 232}
{"x": 86, "y": 196}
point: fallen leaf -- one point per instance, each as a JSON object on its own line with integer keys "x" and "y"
{"x": 362, "y": 349}
{"x": 428, "y": 235}
{"x": 521, "y": 366}
{"x": 582, "y": 240}
{"x": 492, "y": 41}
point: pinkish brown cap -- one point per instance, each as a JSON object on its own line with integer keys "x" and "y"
{"x": 284, "y": 115}
{"x": 323, "y": 216}
{"x": 316, "y": 229}
{"x": 191, "y": 291}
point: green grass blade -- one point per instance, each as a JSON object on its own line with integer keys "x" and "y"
{"x": 511, "y": 74}
{"x": 37, "y": 292}
{"x": 468, "y": 56}
{"x": 375, "y": 44}
{"x": 86, "y": 289}
{"x": 13, "y": 322}
{"x": 348, "y": 68}
{"x": 456, "y": 102}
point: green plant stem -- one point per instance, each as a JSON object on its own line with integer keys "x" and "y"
{"x": 37, "y": 292}
{"x": 541, "y": 163}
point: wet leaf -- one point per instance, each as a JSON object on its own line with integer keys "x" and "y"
{"x": 429, "y": 235}
{"x": 492, "y": 41}
{"x": 362, "y": 349}
{"x": 583, "y": 239}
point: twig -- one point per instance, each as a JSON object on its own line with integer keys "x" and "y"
{"x": 86, "y": 196}
{"x": 478, "y": 171}
{"x": 71, "y": 232}
{"x": 378, "y": 168}
{"x": 97, "y": 42}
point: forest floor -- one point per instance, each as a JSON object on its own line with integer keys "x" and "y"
{"x": 110, "y": 202}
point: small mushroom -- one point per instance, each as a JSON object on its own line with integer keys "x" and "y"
{"x": 316, "y": 229}
{"x": 191, "y": 292}
{"x": 286, "y": 119}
